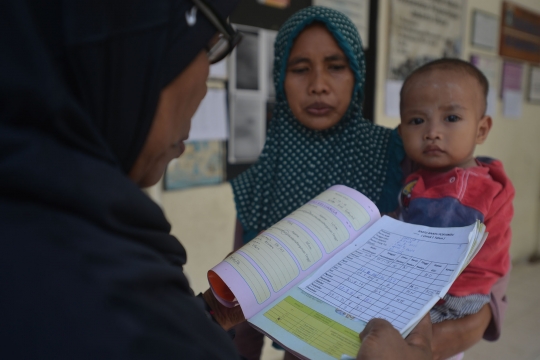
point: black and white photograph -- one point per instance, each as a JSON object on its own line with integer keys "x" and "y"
{"x": 247, "y": 61}
{"x": 247, "y": 127}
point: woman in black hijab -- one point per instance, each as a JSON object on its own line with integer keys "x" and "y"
{"x": 96, "y": 97}
{"x": 92, "y": 91}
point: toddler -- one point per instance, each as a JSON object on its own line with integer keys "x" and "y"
{"x": 443, "y": 118}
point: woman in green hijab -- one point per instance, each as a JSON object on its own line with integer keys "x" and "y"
{"x": 333, "y": 145}
{"x": 317, "y": 138}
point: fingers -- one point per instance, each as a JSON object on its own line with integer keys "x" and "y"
{"x": 375, "y": 326}
{"x": 226, "y": 317}
{"x": 381, "y": 341}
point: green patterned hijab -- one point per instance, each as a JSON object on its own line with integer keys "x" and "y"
{"x": 298, "y": 163}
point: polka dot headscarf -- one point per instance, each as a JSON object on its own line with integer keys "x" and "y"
{"x": 298, "y": 163}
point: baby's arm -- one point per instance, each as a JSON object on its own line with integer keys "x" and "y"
{"x": 451, "y": 337}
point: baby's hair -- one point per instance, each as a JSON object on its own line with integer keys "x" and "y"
{"x": 456, "y": 65}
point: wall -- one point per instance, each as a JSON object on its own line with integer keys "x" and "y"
{"x": 514, "y": 141}
{"x": 203, "y": 218}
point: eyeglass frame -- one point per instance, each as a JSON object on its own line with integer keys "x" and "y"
{"x": 232, "y": 36}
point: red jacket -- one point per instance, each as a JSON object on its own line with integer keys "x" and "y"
{"x": 458, "y": 198}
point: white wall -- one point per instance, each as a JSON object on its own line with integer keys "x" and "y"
{"x": 203, "y": 218}
{"x": 514, "y": 141}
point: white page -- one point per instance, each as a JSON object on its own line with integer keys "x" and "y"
{"x": 512, "y": 103}
{"x": 384, "y": 273}
{"x": 392, "y": 98}
{"x": 491, "y": 109}
{"x": 210, "y": 119}
{"x": 218, "y": 70}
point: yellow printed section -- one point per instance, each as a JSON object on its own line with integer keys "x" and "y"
{"x": 276, "y": 263}
{"x": 304, "y": 248}
{"x": 353, "y": 211}
{"x": 325, "y": 225}
{"x": 314, "y": 328}
{"x": 251, "y": 275}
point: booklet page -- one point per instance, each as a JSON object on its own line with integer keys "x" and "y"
{"x": 288, "y": 251}
{"x": 392, "y": 271}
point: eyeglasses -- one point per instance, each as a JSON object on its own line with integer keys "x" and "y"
{"x": 228, "y": 37}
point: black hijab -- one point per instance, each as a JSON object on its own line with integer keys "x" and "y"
{"x": 88, "y": 268}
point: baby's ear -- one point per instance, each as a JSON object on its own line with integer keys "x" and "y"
{"x": 484, "y": 126}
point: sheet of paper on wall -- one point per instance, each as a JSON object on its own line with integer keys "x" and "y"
{"x": 218, "y": 70}
{"x": 356, "y": 10}
{"x": 534, "y": 84}
{"x": 490, "y": 67}
{"x": 512, "y": 90}
{"x": 512, "y": 100}
{"x": 210, "y": 120}
{"x": 393, "y": 87}
{"x": 491, "y": 108}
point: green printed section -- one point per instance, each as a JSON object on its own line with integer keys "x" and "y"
{"x": 314, "y": 328}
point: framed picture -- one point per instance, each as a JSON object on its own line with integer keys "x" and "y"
{"x": 485, "y": 30}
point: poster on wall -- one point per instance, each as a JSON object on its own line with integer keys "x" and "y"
{"x": 356, "y": 10}
{"x": 490, "y": 67}
{"x": 421, "y": 31}
{"x": 203, "y": 163}
{"x": 512, "y": 90}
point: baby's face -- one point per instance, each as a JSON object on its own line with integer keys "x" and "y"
{"x": 442, "y": 120}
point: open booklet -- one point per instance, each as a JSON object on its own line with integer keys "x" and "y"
{"x": 313, "y": 280}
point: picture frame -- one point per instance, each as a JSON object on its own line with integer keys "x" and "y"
{"x": 484, "y": 30}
